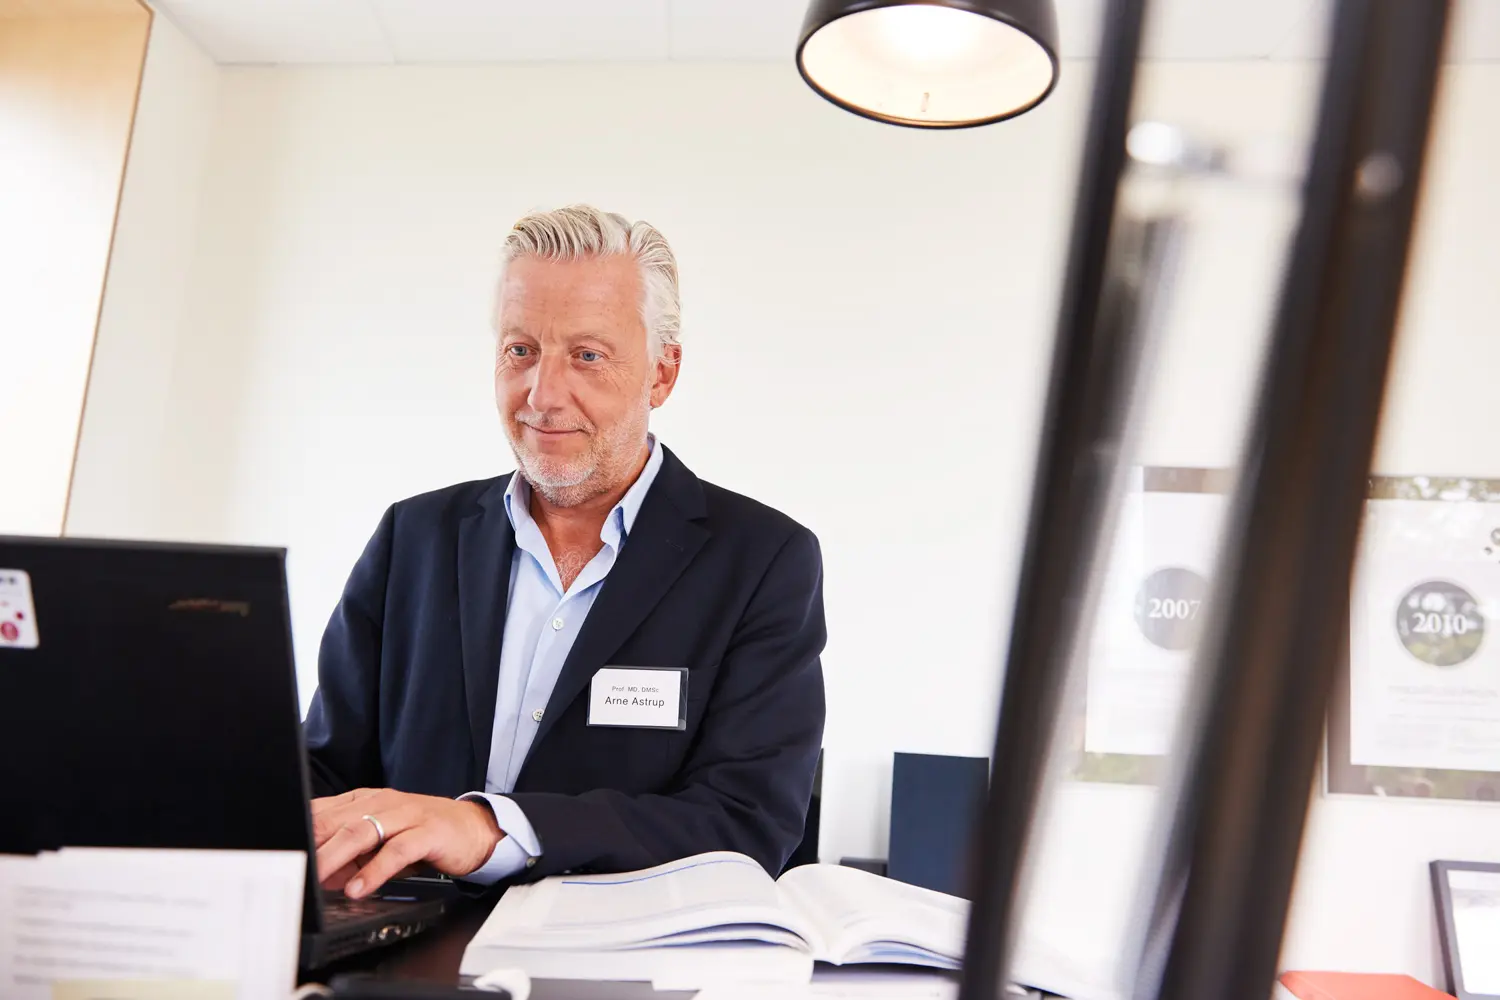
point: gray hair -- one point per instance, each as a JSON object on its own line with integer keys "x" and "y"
{"x": 584, "y": 231}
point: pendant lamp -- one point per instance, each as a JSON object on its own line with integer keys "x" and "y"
{"x": 931, "y": 63}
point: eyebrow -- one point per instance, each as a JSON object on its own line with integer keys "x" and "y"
{"x": 605, "y": 337}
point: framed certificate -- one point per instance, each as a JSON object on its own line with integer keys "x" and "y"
{"x": 1140, "y": 646}
{"x": 1467, "y": 897}
{"x": 1417, "y": 712}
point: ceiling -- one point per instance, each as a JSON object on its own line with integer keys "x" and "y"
{"x": 487, "y": 31}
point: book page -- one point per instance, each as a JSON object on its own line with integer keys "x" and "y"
{"x": 862, "y": 917}
{"x": 721, "y": 896}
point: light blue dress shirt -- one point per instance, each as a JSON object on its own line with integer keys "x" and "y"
{"x": 541, "y": 622}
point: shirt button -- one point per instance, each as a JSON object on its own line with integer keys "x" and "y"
{"x": 557, "y": 623}
{"x": 531, "y": 862}
{"x": 537, "y": 715}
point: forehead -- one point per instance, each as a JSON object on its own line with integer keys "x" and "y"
{"x": 590, "y": 292}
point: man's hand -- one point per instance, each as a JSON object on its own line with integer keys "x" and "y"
{"x": 454, "y": 837}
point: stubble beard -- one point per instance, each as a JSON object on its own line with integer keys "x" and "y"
{"x": 568, "y": 482}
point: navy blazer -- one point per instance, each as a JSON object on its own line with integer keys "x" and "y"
{"x": 707, "y": 580}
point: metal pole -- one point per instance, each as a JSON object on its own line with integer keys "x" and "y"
{"x": 1083, "y": 421}
{"x": 1271, "y": 650}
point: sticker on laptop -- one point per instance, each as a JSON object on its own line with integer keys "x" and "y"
{"x": 17, "y": 611}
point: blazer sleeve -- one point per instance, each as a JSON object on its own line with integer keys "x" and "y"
{"x": 342, "y": 731}
{"x": 746, "y": 784}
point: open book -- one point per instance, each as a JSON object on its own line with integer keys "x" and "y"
{"x": 716, "y": 917}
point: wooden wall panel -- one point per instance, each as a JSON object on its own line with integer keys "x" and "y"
{"x": 68, "y": 86}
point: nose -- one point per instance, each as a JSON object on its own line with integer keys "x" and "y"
{"x": 548, "y": 388}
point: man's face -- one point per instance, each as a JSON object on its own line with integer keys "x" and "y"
{"x": 574, "y": 378}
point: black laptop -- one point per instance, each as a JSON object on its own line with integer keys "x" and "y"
{"x": 148, "y": 699}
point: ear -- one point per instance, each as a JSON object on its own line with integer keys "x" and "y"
{"x": 664, "y": 374}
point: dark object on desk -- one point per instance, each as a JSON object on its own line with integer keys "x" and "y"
{"x": 1464, "y": 891}
{"x": 875, "y": 866}
{"x": 934, "y": 803}
{"x": 159, "y": 709}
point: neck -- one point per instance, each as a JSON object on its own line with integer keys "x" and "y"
{"x": 581, "y": 521}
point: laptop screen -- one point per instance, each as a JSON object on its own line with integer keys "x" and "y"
{"x": 150, "y": 700}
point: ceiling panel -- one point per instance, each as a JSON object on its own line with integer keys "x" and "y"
{"x": 1194, "y": 29}
{"x": 765, "y": 30}
{"x": 1474, "y": 35}
{"x": 282, "y": 31}
{"x": 473, "y": 31}
{"x": 1078, "y": 26}
{"x": 1308, "y": 38}
{"x": 465, "y": 31}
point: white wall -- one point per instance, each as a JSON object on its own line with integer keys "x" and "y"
{"x": 867, "y": 322}
{"x": 124, "y": 483}
{"x": 67, "y": 90}
{"x": 867, "y": 313}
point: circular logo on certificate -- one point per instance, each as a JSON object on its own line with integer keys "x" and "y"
{"x": 1169, "y": 605}
{"x": 1440, "y": 623}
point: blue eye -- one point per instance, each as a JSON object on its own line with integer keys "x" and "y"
{"x": 518, "y": 350}
{"x": 590, "y": 356}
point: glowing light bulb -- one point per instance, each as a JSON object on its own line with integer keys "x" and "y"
{"x": 922, "y": 33}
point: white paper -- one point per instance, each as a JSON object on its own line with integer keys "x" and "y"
{"x": 117, "y": 914}
{"x": 1078, "y": 971}
{"x": 862, "y": 917}
{"x": 1136, "y": 685}
{"x": 628, "y": 696}
{"x": 1424, "y": 641}
{"x": 1476, "y": 924}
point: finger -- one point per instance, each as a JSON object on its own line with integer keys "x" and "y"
{"x": 346, "y": 844}
{"x": 340, "y": 878}
{"x": 357, "y": 836}
{"x": 398, "y": 853}
{"x": 379, "y": 802}
{"x": 332, "y": 821}
{"x": 328, "y": 802}
{"x": 339, "y": 851}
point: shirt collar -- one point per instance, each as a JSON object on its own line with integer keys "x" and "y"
{"x": 621, "y": 516}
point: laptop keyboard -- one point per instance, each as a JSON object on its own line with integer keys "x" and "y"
{"x": 342, "y": 910}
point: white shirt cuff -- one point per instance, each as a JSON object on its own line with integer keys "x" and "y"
{"x": 517, "y": 850}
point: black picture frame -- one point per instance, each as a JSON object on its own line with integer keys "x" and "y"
{"x": 1443, "y": 902}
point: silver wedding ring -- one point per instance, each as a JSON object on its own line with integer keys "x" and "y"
{"x": 379, "y": 830}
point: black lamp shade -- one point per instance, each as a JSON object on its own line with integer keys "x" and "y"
{"x": 931, "y": 63}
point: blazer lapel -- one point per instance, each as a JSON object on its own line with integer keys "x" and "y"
{"x": 664, "y": 539}
{"x": 486, "y": 544}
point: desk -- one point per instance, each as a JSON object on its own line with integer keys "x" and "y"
{"x": 434, "y": 957}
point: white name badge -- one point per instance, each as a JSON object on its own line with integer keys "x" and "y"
{"x": 639, "y": 697}
{"x": 17, "y": 611}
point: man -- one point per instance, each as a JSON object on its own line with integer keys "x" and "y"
{"x": 471, "y": 713}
